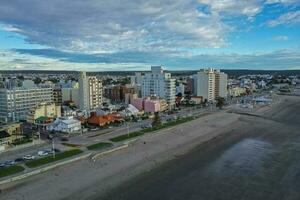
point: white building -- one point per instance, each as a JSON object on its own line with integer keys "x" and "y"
{"x": 210, "y": 84}
{"x": 69, "y": 125}
{"x": 180, "y": 89}
{"x": 157, "y": 83}
{"x": 17, "y": 101}
{"x": 70, "y": 94}
{"x": 83, "y": 91}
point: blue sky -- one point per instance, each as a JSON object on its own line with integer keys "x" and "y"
{"x": 135, "y": 34}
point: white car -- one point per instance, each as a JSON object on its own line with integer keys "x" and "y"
{"x": 28, "y": 157}
{"x": 43, "y": 153}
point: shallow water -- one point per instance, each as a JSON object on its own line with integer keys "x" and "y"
{"x": 259, "y": 162}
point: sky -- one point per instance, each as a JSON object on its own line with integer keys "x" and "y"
{"x": 119, "y": 35}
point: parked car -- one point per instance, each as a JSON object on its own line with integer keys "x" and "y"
{"x": 28, "y": 157}
{"x": 42, "y": 153}
{"x": 64, "y": 139}
{"x": 2, "y": 165}
{"x": 18, "y": 160}
{"x": 10, "y": 163}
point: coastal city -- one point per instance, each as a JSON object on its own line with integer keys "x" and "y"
{"x": 49, "y": 118}
{"x": 151, "y": 100}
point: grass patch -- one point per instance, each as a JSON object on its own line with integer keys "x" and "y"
{"x": 50, "y": 159}
{"x": 71, "y": 145}
{"x": 148, "y": 130}
{"x": 100, "y": 145}
{"x": 7, "y": 171}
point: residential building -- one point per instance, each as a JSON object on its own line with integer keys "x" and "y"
{"x": 221, "y": 84}
{"x": 65, "y": 125}
{"x": 95, "y": 92}
{"x": 180, "y": 89}
{"x": 9, "y": 134}
{"x": 84, "y": 101}
{"x": 57, "y": 96}
{"x": 90, "y": 92}
{"x": 210, "y": 84}
{"x": 50, "y": 110}
{"x": 150, "y": 105}
{"x": 157, "y": 83}
{"x": 17, "y": 101}
{"x": 118, "y": 93}
{"x": 70, "y": 94}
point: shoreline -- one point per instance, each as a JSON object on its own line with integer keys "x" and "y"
{"x": 148, "y": 152}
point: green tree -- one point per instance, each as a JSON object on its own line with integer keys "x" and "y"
{"x": 220, "y": 102}
{"x": 156, "y": 120}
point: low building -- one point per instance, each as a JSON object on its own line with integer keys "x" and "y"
{"x": 150, "y": 105}
{"x": 102, "y": 120}
{"x": 197, "y": 100}
{"x": 65, "y": 125}
{"x": 9, "y": 134}
{"x": 236, "y": 91}
{"x": 50, "y": 110}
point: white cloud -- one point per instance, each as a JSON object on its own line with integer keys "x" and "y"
{"x": 236, "y": 7}
{"x": 291, "y": 17}
{"x": 281, "y": 38}
{"x": 108, "y": 26}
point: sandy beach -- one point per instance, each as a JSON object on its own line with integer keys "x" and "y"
{"x": 86, "y": 179}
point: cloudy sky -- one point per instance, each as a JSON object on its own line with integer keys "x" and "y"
{"x": 99, "y": 35}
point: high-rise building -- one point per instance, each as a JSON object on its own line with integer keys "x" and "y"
{"x": 17, "y": 101}
{"x": 210, "y": 84}
{"x": 83, "y": 91}
{"x": 90, "y": 92}
{"x": 157, "y": 83}
{"x": 57, "y": 96}
{"x": 221, "y": 84}
{"x": 95, "y": 92}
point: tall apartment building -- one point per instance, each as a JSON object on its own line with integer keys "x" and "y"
{"x": 157, "y": 83}
{"x": 221, "y": 84}
{"x": 57, "y": 96}
{"x": 90, "y": 92}
{"x": 95, "y": 92}
{"x": 84, "y": 103}
{"x": 210, "y": 84}
{"x": 17, "y": 101}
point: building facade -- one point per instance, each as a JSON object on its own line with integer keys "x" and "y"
{"x": 51, "y": 110}
{"x": 84, "y": 103}
{"x": 95, "y": 92}
{"x": 157, "y": 83}
{"x": 90, "y": 92}
{"x": 210, "y": 84}
{"x": 16, "y": 102}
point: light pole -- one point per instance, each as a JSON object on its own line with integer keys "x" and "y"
{"x": 53, "y": 147}
{"x": 127, "y": 129}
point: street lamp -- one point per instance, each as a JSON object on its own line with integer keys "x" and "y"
{"x": 53, "y": 147}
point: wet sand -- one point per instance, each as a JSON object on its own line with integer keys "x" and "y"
{"x": 162, "y": 166}
{"x": 261, "y": 162}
